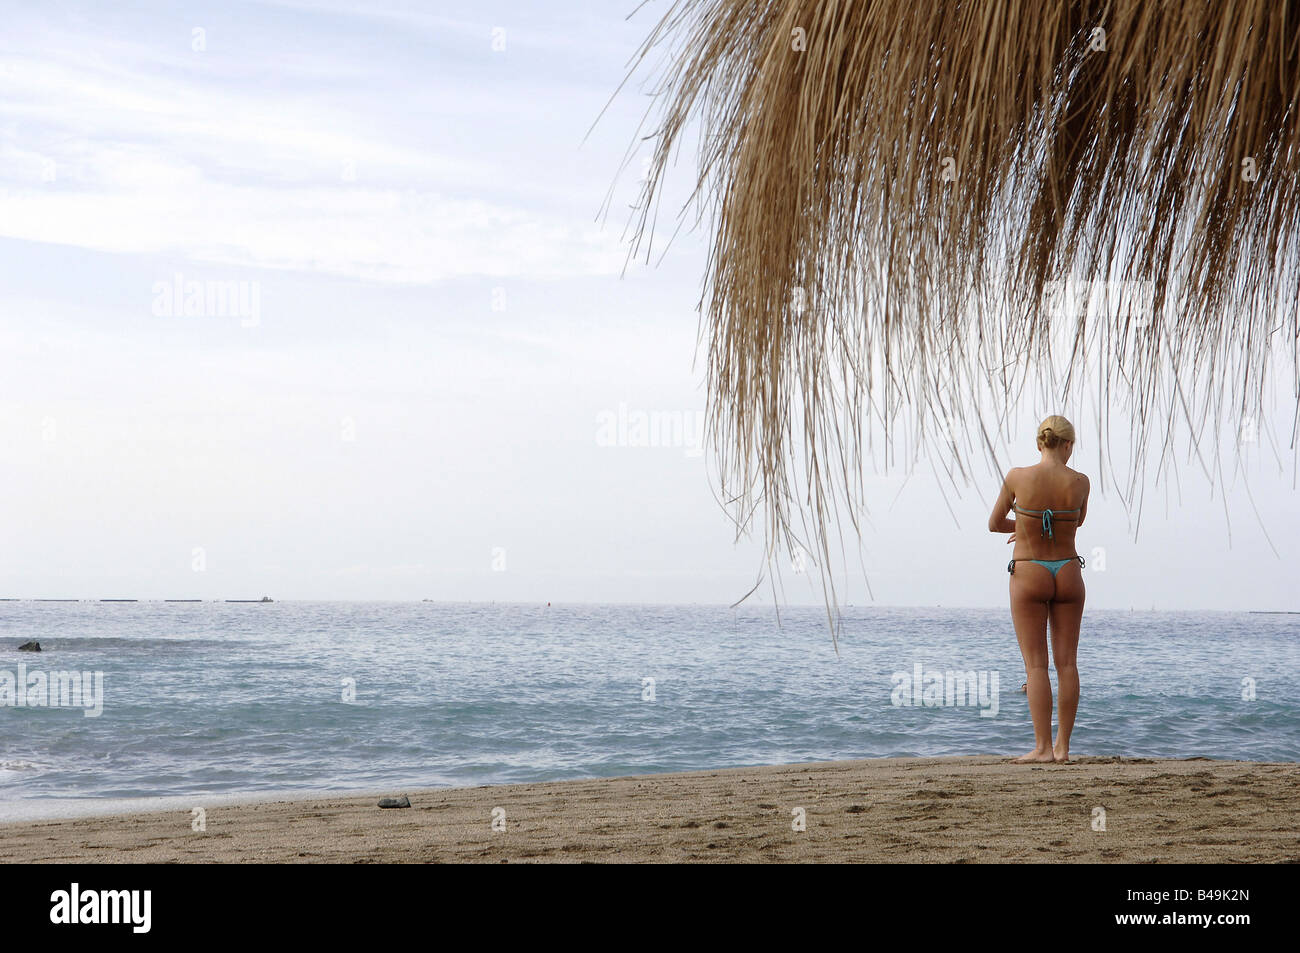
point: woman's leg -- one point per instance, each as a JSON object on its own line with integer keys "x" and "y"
{"x": 1066, "y": 616}
{"x": 1031, "y": 588}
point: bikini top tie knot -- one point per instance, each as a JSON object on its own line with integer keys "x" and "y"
{"x": 1047, "y": 524}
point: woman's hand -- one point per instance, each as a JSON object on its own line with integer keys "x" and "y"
{"x": 1011, "y": 538}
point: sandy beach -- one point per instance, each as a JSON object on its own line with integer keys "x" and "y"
{"x": 925, "y": 810}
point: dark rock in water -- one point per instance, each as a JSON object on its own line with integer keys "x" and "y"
{"x": 402, "y": 801}
{"x": 30, "y": 647}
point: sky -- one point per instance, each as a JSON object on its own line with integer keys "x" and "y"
{"x": 325, "y": 300}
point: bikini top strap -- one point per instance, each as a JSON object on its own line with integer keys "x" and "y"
{"x": 1047, "y": 518}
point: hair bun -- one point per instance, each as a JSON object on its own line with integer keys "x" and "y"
{"x": 1053, "y": 431}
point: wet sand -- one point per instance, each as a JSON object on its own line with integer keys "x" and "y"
{"x": 909, "y": 810}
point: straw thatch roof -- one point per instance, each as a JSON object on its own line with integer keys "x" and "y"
{"x": 894, "y": 188}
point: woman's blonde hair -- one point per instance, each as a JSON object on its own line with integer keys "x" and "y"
{"x": 1053, "y": 432}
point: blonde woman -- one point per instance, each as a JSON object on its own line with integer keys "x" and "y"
{"x": 1050, "y": 501}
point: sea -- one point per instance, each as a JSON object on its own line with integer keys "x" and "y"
{"x": 180, "y": 704}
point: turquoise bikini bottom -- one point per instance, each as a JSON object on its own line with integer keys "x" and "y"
{"x": 1053, "y": 564}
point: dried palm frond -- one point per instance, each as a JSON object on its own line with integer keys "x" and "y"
{"x": 896, "y": 189}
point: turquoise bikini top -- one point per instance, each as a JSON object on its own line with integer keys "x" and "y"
{"x": 1047, "y": 516}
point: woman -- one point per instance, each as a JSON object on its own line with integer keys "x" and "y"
{"x": 1050, "y": 501}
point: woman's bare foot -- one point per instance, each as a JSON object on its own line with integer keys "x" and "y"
{"x": 1037, "y": 756}
{"x": 1061, "y": 755}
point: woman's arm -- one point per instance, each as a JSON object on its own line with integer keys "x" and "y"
{"x": 998, "y": 522}
{"x": 1083, "y": 507}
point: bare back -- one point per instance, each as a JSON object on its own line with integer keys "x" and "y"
{"x": 1045, "y": 486}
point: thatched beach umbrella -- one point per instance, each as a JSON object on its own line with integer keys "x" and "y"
{"x": 896, "y": 189}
